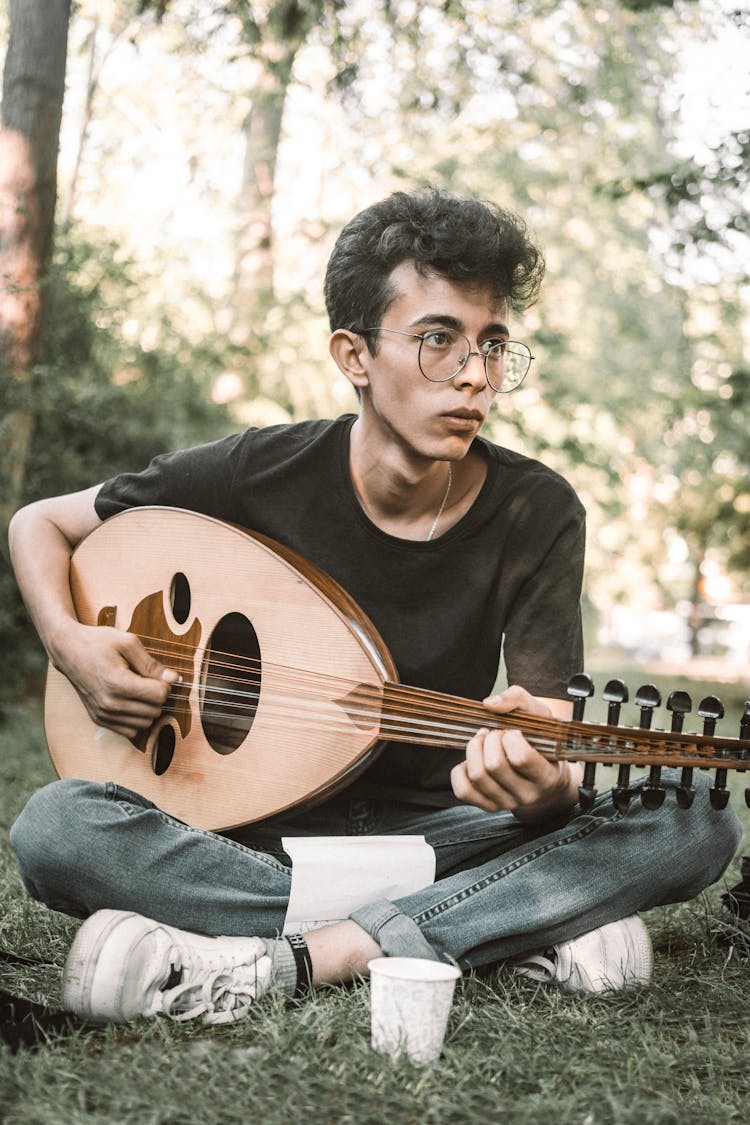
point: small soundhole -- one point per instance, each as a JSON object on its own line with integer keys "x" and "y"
{"x": 163, "y": 751}
{"x": 230, "y": 683}
{"x": 179, "y": 598}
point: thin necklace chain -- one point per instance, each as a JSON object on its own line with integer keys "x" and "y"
{"x": 436, "y": 521}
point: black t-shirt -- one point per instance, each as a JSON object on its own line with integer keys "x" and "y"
{"x": 506, "y": 577}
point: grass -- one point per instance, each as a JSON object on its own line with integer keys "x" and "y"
{"x": 516, "y": 1052}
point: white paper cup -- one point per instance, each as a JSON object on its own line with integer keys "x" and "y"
{"x": 410, "y": 1003}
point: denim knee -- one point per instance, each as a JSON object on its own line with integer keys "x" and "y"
{"x": 47, "y": 840}
{"x": 703, "y": 840}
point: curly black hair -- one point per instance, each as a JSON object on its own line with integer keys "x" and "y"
{"x": 466, "y": 240}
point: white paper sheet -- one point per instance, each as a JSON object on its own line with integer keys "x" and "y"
{"x": 333, "y": 875}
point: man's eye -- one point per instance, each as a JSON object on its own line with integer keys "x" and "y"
{"x": 438, "y": 338}
{"x": 497, "y": 347}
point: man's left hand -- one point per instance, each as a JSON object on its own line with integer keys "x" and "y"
{"x": 502, "y": 770}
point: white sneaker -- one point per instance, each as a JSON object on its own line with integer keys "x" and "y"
{"x": 615, "y": 956}
{"x": 122, "y": 965}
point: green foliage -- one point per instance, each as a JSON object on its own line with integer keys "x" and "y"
{"x": 705, "y": 202}
{"x": 105, "y": 397}
{"x": 124, "y": 396}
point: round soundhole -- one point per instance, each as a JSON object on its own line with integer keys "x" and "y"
{"x": 163, "y": 750}
{"x": 179, "y": 598}
{"x": 230, "y": 683}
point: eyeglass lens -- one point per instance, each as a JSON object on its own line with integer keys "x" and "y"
{"x": 443, "y": 353}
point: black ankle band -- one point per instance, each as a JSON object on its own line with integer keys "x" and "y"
{"x": 303, "y": 961}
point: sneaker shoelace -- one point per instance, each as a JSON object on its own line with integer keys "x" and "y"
{"x": 216, "y": 995}
{"x": 210, "y": 984}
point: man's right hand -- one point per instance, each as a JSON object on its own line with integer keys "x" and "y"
{"x": 120, "y": 684}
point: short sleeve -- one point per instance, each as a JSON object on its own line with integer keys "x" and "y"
{"x": 199, "y": 479}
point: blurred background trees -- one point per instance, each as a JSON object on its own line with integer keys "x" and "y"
{"x": 211, "y": 149}
{"x": 30, "y": 113}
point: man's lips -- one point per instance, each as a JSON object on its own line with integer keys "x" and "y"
{"x": 463, "y": 415}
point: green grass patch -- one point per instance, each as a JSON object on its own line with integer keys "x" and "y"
{"x": 516, "y": 1052}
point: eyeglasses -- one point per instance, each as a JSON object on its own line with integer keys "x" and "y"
{"x": 443, "y": 354}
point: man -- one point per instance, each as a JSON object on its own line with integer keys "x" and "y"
{"x": 455, "y": 548}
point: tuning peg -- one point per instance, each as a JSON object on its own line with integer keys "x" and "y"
{"x": 745, "y": 733}
{"x": 745, "y": 721}
{"x": 587, "y": 789}
{"x": 652, "y": 790}
{"x": 622, "y": 794}
{"x": 648, "y": 697}
{"x": 686, "y": 789}
{"x": 615, "y": 694}
{"x": 711, "y": 709}
{"x": 580, "y": 688}
{"x": 680, "y": 704}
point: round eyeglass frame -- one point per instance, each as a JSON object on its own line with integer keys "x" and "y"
{"x": 523, "y": 350}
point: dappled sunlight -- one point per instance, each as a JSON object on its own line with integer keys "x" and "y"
{"x": 19, "y": 293}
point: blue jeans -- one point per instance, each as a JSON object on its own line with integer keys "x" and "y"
{"x": 500, "y": 889}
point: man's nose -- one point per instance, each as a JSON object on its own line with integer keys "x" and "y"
{"x": 472, "y": 373}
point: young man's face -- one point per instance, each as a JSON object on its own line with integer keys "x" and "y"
{"x": 435, "y": 420}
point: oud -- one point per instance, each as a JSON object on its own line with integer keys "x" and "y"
{"x": 287, "y": 691}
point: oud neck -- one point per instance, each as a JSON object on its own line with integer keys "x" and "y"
{"x": 431, "y": 718}
{"x": 428, "y": 718}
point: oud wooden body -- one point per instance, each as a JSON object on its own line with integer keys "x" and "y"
{"x": 218, "y": 570}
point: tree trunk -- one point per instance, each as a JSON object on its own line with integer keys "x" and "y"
{"x": 275, "y": 46}
{"x": 254, "y": 254}
{"x": 92, "y": 81}
{"x": 33, "y": 90}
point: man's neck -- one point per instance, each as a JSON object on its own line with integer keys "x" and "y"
{"x": 404, "y": 495}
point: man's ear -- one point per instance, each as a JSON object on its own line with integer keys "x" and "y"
{"x": 350, "y": 354}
